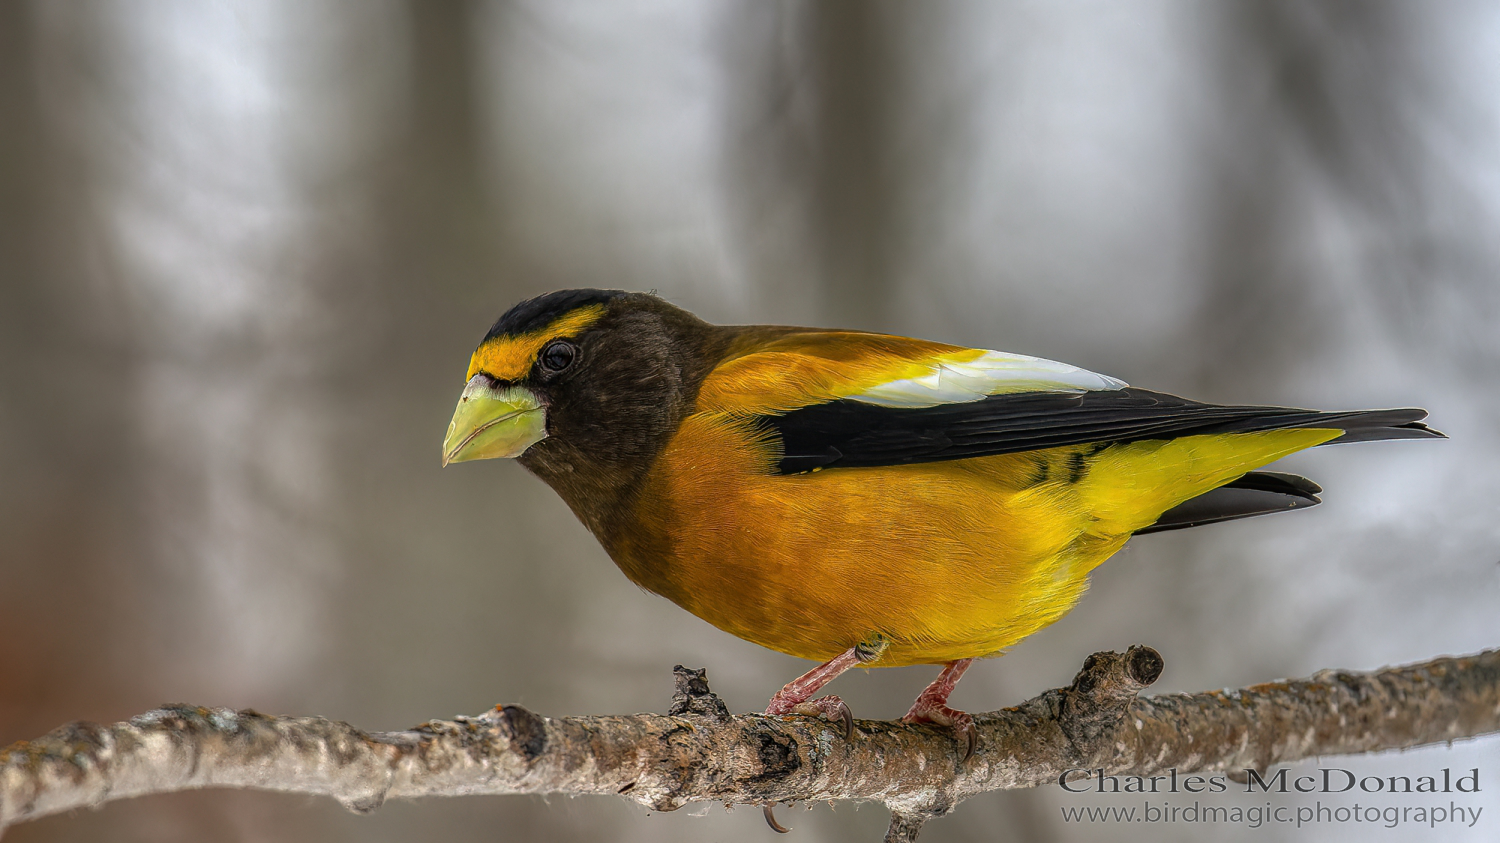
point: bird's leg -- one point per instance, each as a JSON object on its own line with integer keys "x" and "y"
{"x": 932, "y": 706}
{"x": 795, "y": 698}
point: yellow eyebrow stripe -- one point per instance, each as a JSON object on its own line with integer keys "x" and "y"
{"x": 509, "y": 358}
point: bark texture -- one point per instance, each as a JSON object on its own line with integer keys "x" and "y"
{"x": 698, "y": 751}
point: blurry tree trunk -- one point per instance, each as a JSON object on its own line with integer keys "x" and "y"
{"x": 443, "y": 215}
{"x": 1312, "y": 97}
{"x": 64, "y": 455}
{"x": 858, "y": 198}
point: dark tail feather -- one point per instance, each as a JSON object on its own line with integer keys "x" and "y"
{"x": 1265, "y": 492}
{"x": 1358, "y": 425}
{"x": 1374, "y": 425}
{"x": 1256, "y": 493}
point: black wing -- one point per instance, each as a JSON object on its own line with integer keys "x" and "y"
{"x": 849, "y": 433}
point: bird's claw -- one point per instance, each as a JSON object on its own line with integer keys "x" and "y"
{"x": 829, "y": 708}
{"x": 971, "y": 737}
{"x": 768, "y": 809}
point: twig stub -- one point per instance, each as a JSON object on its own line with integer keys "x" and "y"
{"x": 693, "y": 697}
{"x": 1097, "y": 701}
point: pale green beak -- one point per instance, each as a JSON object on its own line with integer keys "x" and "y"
{"x": 492, "y": 423}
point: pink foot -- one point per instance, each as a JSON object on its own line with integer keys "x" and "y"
{"x": 932, "y": 707}
{"x": 829, "y": 708}
{"x": 961, "y": 722}
{"x": 795, "y": 698}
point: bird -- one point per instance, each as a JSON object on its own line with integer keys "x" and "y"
{"x": 862, "y": 499}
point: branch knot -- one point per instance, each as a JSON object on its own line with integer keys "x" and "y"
{"x": 1096, "y": 703}
{"x": 692, "y": 696}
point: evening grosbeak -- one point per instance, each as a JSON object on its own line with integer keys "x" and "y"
{"x": 857, "y": 498}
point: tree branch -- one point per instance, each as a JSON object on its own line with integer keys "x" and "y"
{"x": 698, "y": 751}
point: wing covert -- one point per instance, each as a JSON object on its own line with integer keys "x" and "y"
{"x": 804, "y": 368}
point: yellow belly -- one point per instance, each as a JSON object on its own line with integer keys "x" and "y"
{"x": 942, "y": 560}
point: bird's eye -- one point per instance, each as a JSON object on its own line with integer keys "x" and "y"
{"x": 558, "y": 355}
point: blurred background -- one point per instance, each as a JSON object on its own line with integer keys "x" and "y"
{"x": 246, "y": 250}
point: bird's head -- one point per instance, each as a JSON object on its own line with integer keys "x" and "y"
{"x": 583, "y": 386}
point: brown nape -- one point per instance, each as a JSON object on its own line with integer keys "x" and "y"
{"x": 611, "y": 414}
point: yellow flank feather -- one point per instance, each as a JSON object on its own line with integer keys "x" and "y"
{"x": 507, "y": 358}
{"x": 944, "y": 561}
{"x": 1127, "y": 487}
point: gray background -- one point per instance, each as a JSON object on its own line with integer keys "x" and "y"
{"x": 246, "y": 249}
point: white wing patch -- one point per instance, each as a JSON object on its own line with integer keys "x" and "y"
{"x": 990, "y": 373}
